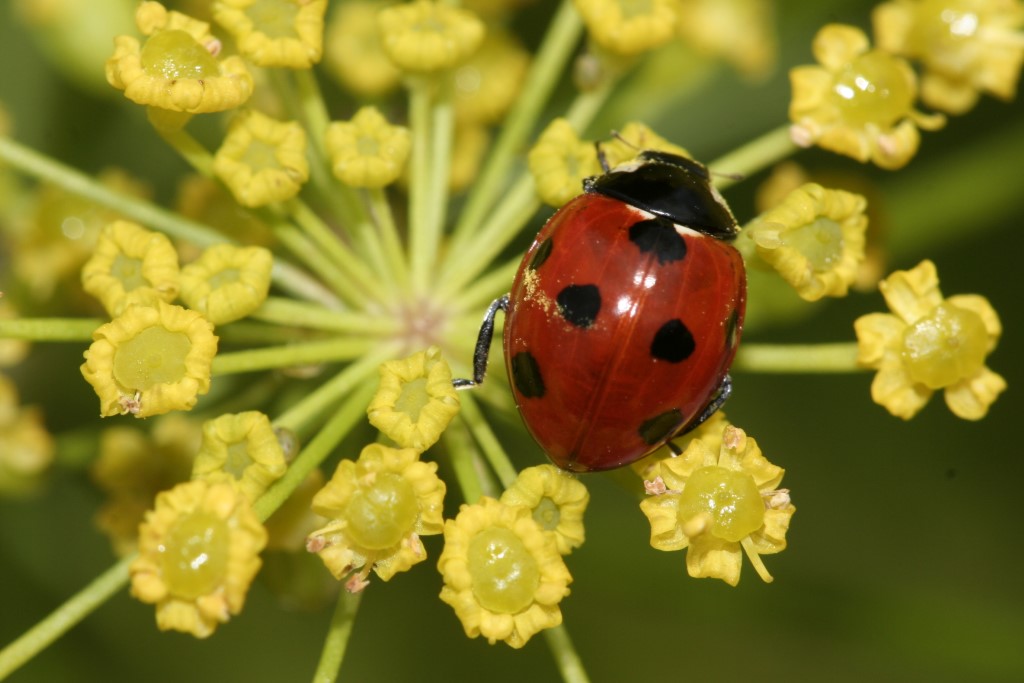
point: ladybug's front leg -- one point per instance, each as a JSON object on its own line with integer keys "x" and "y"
{"x": 483, "y": 345}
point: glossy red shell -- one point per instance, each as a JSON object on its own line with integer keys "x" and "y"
{"x": 589, "y": 387}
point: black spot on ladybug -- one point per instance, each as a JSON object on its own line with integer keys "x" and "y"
{"x": 579, "y": 304}
{"x": 673, "y": 342}
{"x": 732, "y": 330}
{"x": 658, "y": 235}
{"x": 660, "y": 427}
{"x": 526, "y": 375}
{"x": 541, "y": 255}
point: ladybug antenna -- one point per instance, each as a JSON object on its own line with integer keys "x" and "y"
{"x": 602, "y": 158}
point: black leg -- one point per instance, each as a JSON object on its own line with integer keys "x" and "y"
{"x": 483, "y": 345}
{"x": 717, "y": 401}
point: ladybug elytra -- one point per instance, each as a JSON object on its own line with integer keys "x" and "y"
{"x": 624, "y": 315}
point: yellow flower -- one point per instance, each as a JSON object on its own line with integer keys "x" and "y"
{"x": 468, "y": 150}
{"x": 415, "y": 401}
{"x": 177, "y": 68}
{"x": 714, "y": 505}
{"x": 627, "y": 28}
{"x": 559, "y": 163}
{"x": 636, "y": 137}
{"x": 814, "y": 239}
{"x": 285, "y": 33}
{"x": 425, "y": 37}
{"x": 930, "y": 343}
{"x": 740, "y": 31}
{"x": 133, "y": 467}
{"x": 557, "y": 501}
{"x": 502, "y": 575}
{"x": 262, "y": 160}
{"x": 710, "y": 432}
{"x": 859, "y": 102}
{"x": 488, "y": 83}
{"x": 26, "y": 448}
{"x": 150, "y": 360}
{"x": 131, "y": 265}
{"x": 367, "y": 151}
{"x": 226, "y": 282}
{"x": 354, "y": 52}
{"x": 966, "y": 46}
{"x": 377, "y": 508}
{"x": 12, "y": 351}
{"x": 198, "y": 553}
{"x": 244, "y": 446}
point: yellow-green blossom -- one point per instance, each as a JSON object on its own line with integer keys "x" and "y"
{"x": 26, "y": 448}
{"x": 557, "y": 501}
{"x": 859, "y": 102}
{"x": 262, "y": 160}
{"x": 560, "y": 161}
{"x": 488, "y": 83}
{"x": 226, "y": 282}
{"x": 740, "y": 31}
{"x": 717, "y": 506}
{"x": 198, "y": 553}
{"x": 132, "y": 467}
{"x": 814, "y": 239}
{"x": 928, "y": 343}
{"x": 415, "y": 400}
{"x": 354, "y": 52}
{"x": 468, "y": 150}
{"x": 425, "y": 37}
{"x": 131, "y": 265}
{"x": 177, "y": 68}
{"x": 966, "y": 46}
{"x": 627, "y": 28}
{"x": 502, "y": 575}
{"x": 367, "y": 151}
{"x": 244, "y": 446}
{"x": 377, "y": 508}
{"x": 283, "y": 33}
{"x": 150, "y": 360}
{"x": 12, "y": 351}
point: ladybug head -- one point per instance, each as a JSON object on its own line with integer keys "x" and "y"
{"x": 672, "y": 186}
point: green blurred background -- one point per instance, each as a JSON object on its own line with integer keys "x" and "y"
{"x": 905, "y": 553}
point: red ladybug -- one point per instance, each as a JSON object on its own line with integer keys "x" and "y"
{"x": 624, "y": 316}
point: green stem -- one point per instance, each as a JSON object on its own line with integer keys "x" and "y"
{"x": 30, "y": 162}
{"x": 797, "y": 358}
{"x": 299, "y": 244}
{"x": 197, "y": 156}
{"x": 757, "y": 154}
{"x": 391, "y": 241}
{"x": 62, "y": 619}
{"x": 336, "y": 642}
{"x": 480, "y": 293}
{"x": 302, "y": 353}
{"x": 586, "y": 105}
{"x": 313, "y": 405}
{"x": 464, "y": 459}
{"x": 283, "y": 311}
{"x": 548, "y": 66}
{"x": 316, "y": 451}
{"x": 50, "y": 329}
{"x": 489, "y": 444}
{"x": 569, "y": 663}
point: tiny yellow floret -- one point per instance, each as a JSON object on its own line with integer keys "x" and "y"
{"x": 425, "y": 37}
{"x": 150, "y": 360}
{"x": 929, "y": 343}
{"x": 227, "y": 283}
{"x": 557, "y": 501}
{"x": 502, "y": 575}
{"x": 262, "y": 160}
{"x": 198, "y": 553}
{"x": 627, "y": 27}
{"x": 367, "y": 151}
{"x": 377, "y": 508}
{"x": 740, "y": 31}
{"x": 415, "y": 401}
{"x": 559, "y": 163}
{"x": 488, "y": 83}
{"x": 354, "y": 53}
{"x": 26, "y": 448}
{"x": 244, "y": 446}
{"x": 131, "y": 265}
{"x": 275, "y": 33}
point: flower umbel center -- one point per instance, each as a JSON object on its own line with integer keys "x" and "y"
{"x": 176, "y": 55}
{"x": 381, "y": 515}
{"x": 155, "y": 355}
{"x": 274, "y": 18}
{"x": 872, "y": 89}
{"x": 820, "y": 242}
{"x": 194, "y": 555}
{"x": 413, "y": 398}
{"x": 224, "y": 277}
{"x": 260, "y": 155}
{"x": 128, "y": 271}
{"x": 504, "y": 572}
{"x": 728, "y": 500}
{"x": 546, "y": 514}
{"x": 944, "y": 347}
{"x": 237, "y": 458}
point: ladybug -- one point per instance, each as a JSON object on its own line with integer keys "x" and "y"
{"x": 624, "y": 315}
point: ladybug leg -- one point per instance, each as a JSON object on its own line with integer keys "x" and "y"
{"x": 483, "y": 345}
{"x": 717, "y": 401}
